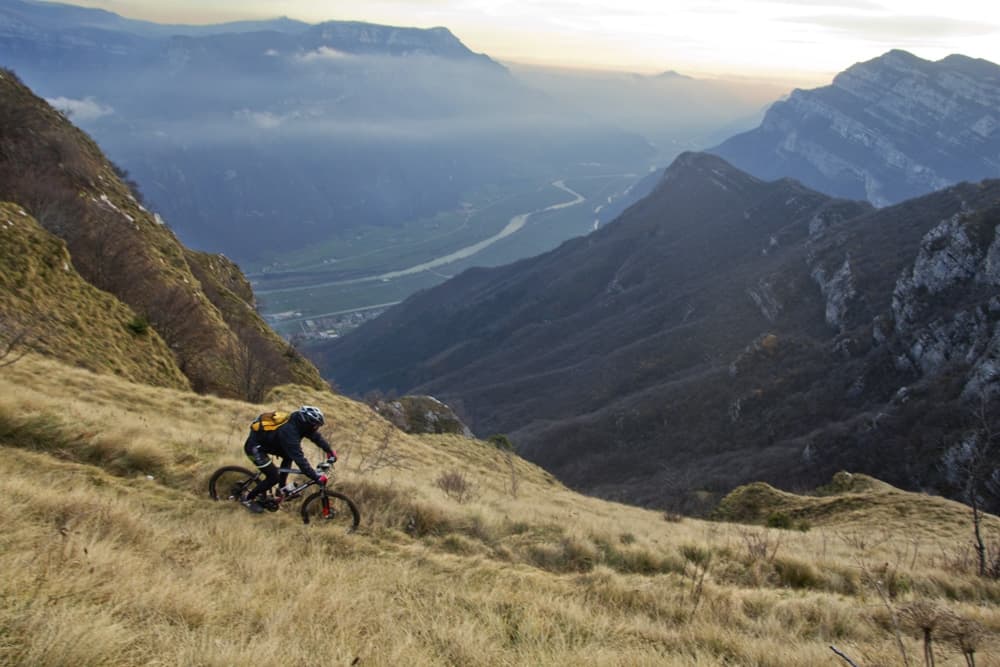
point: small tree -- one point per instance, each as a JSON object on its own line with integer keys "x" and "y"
{"x": 501, "y": 442}
{"x": 252, "y": 364}
{"x": 972, "y": 465}
{"x": 923, "y": 618}
{"x": 14, "y": 342}
{"x": 456, "y": 486}
{"x": 384, "y": 455}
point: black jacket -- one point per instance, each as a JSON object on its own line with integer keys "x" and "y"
{"x": 286, "y": 442}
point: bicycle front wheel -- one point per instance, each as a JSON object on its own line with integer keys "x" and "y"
{"x": 331, "y": 508}
{"x": 230, "y": 483}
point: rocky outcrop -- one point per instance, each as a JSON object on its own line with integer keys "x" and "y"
{"x": 952, "y": 258}
{"x": 421, "y": 414}
{"x": 838, "y": 289}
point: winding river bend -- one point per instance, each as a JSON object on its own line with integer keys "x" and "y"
{"x": 515, "y": 224}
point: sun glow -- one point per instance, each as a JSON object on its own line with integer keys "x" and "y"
{"x": 807, "y": 39}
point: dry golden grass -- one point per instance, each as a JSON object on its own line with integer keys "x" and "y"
{"x": 59, "y": 314}
{"x": 105, "y": 566}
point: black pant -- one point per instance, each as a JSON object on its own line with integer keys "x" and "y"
{"x": 255, "y": 452}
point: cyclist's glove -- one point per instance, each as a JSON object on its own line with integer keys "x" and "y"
{"x": 321, "y": 480}
{"x": 332, "y": 458}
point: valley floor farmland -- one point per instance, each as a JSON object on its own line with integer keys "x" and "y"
{"x": 115, "y": 556}
{"x": 380, "y": 266}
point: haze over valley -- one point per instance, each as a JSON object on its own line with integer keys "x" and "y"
{"x": 317, "y": 154}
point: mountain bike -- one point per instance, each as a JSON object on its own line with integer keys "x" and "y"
{"x": 232, "y": 483}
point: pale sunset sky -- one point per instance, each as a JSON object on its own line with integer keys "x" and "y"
{"x": 804, "y": 40}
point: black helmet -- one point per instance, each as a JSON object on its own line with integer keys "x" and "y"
{"x": 312, "y": 415}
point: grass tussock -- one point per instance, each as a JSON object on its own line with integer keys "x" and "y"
{"x": 116, "y": 556}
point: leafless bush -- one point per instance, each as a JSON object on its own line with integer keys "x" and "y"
{"x": 864, "y": 540}
{"x": 514, "y": 481}
{"x": 967, "y": 636}
{"x": 56, "y": 206}
{"x": 14, "y": 342}
{"x": 923, "y": 618}
{"x": 178, "y": 316}
{"x": 252, "y": 364}
{"x": 972, "y": 465}
{"x": 456, "y": 486}
{"x": 762, "y": 546}
{"x": 697, "y": 562}
{"x": 384, "y": 455}
{"x": 877, "y": 578}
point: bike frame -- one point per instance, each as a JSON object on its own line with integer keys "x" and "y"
{"x": 297, "y": 491}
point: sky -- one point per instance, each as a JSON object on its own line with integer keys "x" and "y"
{"x": 801, "y": 40}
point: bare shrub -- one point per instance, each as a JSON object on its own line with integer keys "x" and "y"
{"x": 966, "y": 635}
{"x": 14, "y": 342}
{"x": 252, "y": 364}
{"x": 972, "y": 465}
{"x": 761, "y": 546}
{"x": 513, "y": 484}
{"x": 697, "y": 562}
{"x": 176, "y": 314}
{"x": 864, "y": 540}
{"x": 876, "y": 578}
{"x": 384, "y": 455}
{"x": 923, "y": 617}
{"x": 456, "y": 486}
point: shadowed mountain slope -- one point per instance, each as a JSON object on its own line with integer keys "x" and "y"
{"x": 724, "y": 329}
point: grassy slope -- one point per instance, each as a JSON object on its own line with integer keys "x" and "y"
{"x": 110, "y": 567}
{"x": 53, "y": 169}
{"x": 43, "y": 297}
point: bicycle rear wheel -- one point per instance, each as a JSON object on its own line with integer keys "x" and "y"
{"x": 230, "y": 483}
{"x": 331, "y": 508}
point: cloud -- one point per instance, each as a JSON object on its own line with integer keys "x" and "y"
{"x": 323, "y": 53}
{"x": 264, "y": 120}
{"x": 895, "y": 28}
{"x": 837, "y": 4}
{"x": 84, "y": 110}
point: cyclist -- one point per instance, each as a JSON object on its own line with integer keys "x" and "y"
{"x": 285, "y": 441}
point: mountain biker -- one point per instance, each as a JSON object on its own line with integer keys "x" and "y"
{"x": 285, "y": 441}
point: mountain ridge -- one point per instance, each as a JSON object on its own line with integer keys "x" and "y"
{"x": 863, "y": 136}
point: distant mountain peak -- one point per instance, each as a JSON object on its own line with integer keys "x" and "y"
{"x": 698, "y": 161}
{"x": 886, "y": 130}
{"x": 673, "y": 75}
{"x": 359, "y": 36}
{"x": 693, "y": 166}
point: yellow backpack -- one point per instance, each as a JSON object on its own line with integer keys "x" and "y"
{"x": 270, "y": 421}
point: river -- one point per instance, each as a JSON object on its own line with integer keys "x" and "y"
{"x": 515, "y": 224}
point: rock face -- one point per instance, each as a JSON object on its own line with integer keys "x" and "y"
{"x": 723, "y": 330}
{"x": 421, "y": 414}
{"x": 886, "y": 130}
